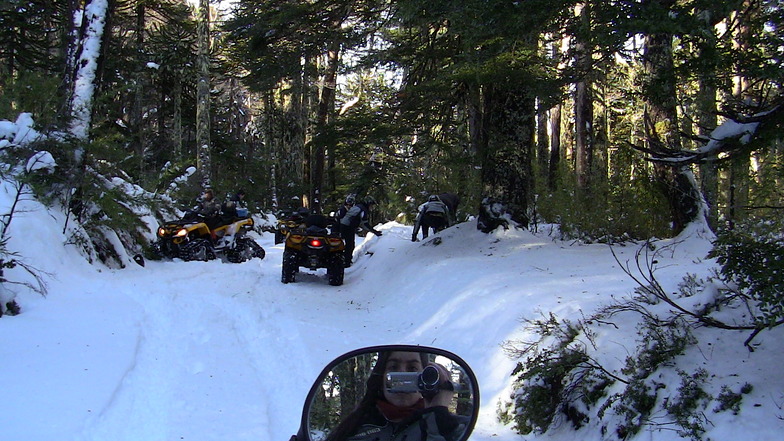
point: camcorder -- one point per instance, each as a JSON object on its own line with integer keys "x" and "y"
{"x": 428, "y": 382}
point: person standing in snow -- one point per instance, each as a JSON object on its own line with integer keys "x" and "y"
{"x": 347, "y": 204}
{"x": 356, "y": 216}
{"x": 432, "y": 214}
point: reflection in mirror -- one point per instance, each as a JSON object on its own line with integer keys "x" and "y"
{"x": 394, "y": 395}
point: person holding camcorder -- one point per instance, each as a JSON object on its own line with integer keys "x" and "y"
{"x": 407, "y": 398}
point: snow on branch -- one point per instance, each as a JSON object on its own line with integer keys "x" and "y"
{"x": 728, "y": 139}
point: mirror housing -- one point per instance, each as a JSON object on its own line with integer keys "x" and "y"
{"x": 343, "y": 383}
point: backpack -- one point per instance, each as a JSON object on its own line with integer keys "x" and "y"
{"x": 436, "y": 208}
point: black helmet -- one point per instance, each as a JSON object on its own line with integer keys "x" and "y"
{"x": 350, "y": 199}
{"x": 433, "y": 198}
{"x": 370, "y": 201}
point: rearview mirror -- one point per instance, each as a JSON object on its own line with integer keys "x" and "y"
{"x": 402, "y": 389}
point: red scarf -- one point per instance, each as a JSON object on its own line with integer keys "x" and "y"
{"x": 396, "y": 413}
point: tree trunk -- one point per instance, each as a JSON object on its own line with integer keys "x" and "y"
{"x": 88, "y": 51}
{"x": 506, "y": 164}
{"x": 304, "y": 111}
{"x": 177, "y": 118}
{"x": 555, "y": 146}
{"x": 476, "y": 130}
{"x": 709, "y": 175}
{"x": 661, "y": 127}
{"x": 542, "y": 140}
{"x": 136, "y": 118}
{"x": 583, "y": 107}
{"x": 743, "y": 93}
{"x": 272, "y": 148}
{"x": 326, "y": 106}
{"x": 203, "y": 158}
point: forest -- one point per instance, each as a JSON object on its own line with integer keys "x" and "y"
{"x": 616, "y": 120}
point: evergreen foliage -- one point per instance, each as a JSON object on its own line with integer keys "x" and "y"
{"x": 560, "y": 381}
{"x": 424, "y": 98}
{"x": 24, "y": 92}
{"x": 752, "y": 262}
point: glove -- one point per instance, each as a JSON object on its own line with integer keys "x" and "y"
{"x": 377, "y": 233}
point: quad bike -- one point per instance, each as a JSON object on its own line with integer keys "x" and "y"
{"x": 190, "y": 238}
{"x": 313, "y": 248}
{"x": 283, "y": 227}
{"x": 445, "y": 383}
{"x": 287, "y": 223}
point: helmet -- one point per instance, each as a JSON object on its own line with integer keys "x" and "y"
{"x": 350, "y": 199}
{"x": 369, "y": 200}
{"x": 432, "y": 198}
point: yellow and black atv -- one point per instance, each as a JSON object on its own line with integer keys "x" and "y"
{"x": 288, "y": 222}
{"x": 313, "y": 247}
{"x": 196, "y": 238}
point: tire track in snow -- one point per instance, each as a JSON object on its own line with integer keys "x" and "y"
{"x": 204, "y": 336}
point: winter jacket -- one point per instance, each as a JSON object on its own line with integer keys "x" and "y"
{"x": 430, "y": 424}
{"x": 353, "y": 216}
{"x": 342, "y": 212}
{"x": 436, "y": 209}
{"x": 233, "y": 205}
{"x": 208, "y": 208}
{"x": 357, "y": 217}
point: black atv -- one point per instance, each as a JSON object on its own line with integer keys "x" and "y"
{"x": 313, "y": 247}
{"x": 196, "y": 238}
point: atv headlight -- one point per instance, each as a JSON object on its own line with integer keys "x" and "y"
{"x": 182, "y": 233}
{"x": 161, "y": 232}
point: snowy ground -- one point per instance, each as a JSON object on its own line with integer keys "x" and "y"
{"x": 218, "y": 351}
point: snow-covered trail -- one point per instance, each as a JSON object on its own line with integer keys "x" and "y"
{"x": 216, "y": 351}
{"x": 218, "y": 331}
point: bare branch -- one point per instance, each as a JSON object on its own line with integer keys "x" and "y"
{"x": 645, "y": 272}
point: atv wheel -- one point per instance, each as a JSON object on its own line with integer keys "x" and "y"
{"x": 256, "y": 250}
{"x": 246, "y": 249}
{"x": 290, "y": 267}
{"x": 335, "y": 270}
{"x": 199, "y": 249}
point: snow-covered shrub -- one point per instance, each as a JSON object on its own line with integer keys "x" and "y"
{"x": 752, "y": 264}
{"x": 560, "y": 380}
{"x": 660, "y": 342}
{"x": 688, "y": 404}
{"x": 729, "y": 400}
{"x": 554, "y": 378}
{"x": 108, "y": 218}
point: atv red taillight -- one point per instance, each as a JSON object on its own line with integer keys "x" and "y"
{"x": 316, "y": 243}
